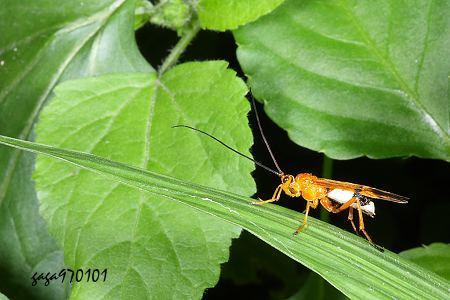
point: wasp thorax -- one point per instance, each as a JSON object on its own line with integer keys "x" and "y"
{"x": 310, "y": 191}
{"x": 305, "y": 180}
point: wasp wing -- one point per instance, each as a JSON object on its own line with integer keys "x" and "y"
{"x": 363, "y": 190}
{"x": 383, "y": 195}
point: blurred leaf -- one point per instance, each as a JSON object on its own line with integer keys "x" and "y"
{"x": 345, "y": 260}
{"x": 3, "y": 297}
{"x": 352, "y": 78}
{"x": 316, "y": 288}
{"x": 435, "y": 257}
{"x": 151, "y": 247}
{"x": 143, "y": 12}
{"x": 171, "y": 13}
{"x": 224, "y": 15}
{"x": 43, "y": 43}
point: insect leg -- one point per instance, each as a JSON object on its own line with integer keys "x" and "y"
{"x": 362, "y": 228}
{"x": 346, "y": 205}
{"x": 361, "y": 222}
{"x": 275, "y": 197}
{"x": 350, "y": 218}
{"x": 327, "y": 204}
{"x": 305, "y": 220}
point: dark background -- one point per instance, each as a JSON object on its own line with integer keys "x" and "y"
{"x": 258, "y": 271}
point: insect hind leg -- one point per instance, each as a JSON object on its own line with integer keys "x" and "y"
{"x": 350, "y": 218}
{"x": 362, "y": 227}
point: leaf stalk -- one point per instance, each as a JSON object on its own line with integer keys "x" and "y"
{"x": 188, "y": 35}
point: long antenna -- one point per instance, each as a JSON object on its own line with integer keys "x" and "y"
{"x": 232, "y": 149}
{"x": 263, "y": 136}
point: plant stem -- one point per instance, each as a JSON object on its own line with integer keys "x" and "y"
{"x": 327, "y": 171}
{"x": 179, "y": 48}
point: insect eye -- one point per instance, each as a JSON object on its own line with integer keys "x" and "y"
{"x": 285, "y": 179}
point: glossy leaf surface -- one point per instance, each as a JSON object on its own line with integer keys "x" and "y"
{"x": 353, "y": 78}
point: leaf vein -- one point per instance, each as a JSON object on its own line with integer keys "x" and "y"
{"x": 389, "y": 66}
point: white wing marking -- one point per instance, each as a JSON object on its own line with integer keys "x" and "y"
{"x": 342, "y": 196}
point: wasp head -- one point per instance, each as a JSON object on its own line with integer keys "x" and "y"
{"x": 290, "y": 186}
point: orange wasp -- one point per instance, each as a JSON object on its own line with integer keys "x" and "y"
{"x": 334, "y": 196}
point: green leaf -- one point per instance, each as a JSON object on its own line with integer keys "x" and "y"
{"x": 225, "y": 15}
{"x": 345, "y": 260}
{"x": 352, "y": 78}
{"x": 41, "y": 45}
{"x": 3, "y": 297}
{"x": 435, "y": 257}
{"x": 150, "y": 246}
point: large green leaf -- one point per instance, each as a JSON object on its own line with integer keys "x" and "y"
{"x": 225, "y": 15}
{"x": 345, "y": 260}
{"x": 351, "y": 78}
{"x": 41, "y": 44}
{"x": 152, "y": 247}
{"x": 435, "y": 257}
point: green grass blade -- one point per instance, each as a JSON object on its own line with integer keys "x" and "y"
{"x": 346, "y": 261}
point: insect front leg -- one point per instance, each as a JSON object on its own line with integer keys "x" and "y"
{"x": 275, "y": 197}
{"x": 305, "y": 220}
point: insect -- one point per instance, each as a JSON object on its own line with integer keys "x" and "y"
{"x": 334, "y": 196}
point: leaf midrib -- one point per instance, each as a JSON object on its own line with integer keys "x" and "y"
{"x": 25, "y": 133}
{"x": 142, "y": 196}
{"x": 113, "y": 117}
{"x": 364, "y": 118}
{"x": 390, "y": 67}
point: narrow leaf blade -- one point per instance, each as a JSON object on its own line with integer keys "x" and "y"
{"x": 346, "y": 261}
